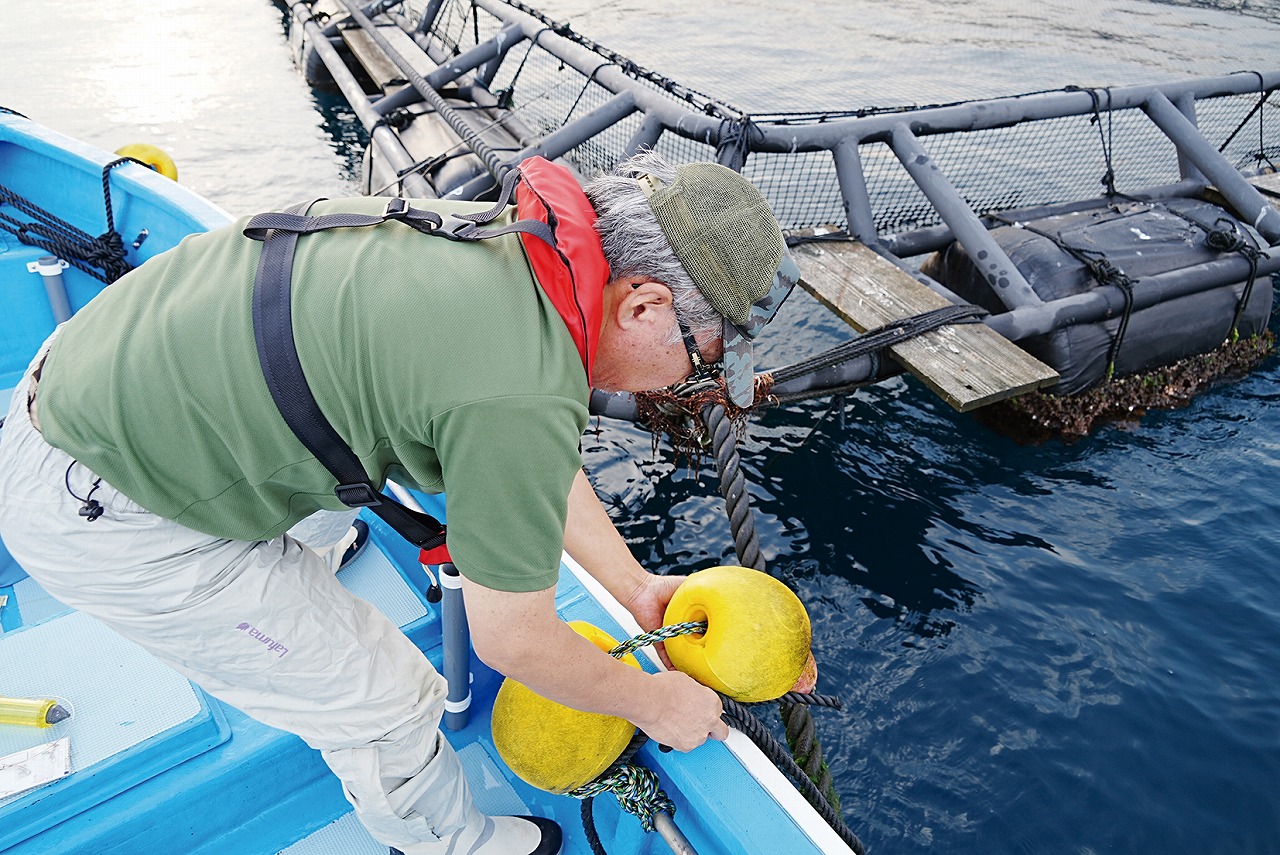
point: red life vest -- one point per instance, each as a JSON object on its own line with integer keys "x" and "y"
{"x": 574, "y": 273}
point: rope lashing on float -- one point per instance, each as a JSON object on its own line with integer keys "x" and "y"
{"x": 1225, "y": 236}
{"x": 102, "y": 257}
{"x": 1232, "y": 240}
{"x": 1103, "y": 271}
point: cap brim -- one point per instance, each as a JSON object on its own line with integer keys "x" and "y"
{"x": 739, "y": 364}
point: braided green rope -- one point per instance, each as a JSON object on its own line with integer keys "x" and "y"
{"x": 637, "y": 790}
{"x": 662, "y": 633}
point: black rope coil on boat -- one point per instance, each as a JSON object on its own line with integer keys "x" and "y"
{"x": 102, "y": 257}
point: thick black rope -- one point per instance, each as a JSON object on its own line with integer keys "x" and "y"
{"x": 880, "y": 339}
{"x": 740, "y": 717}
{"x": 798, "y": 721}
{"x": 102, "y": 257}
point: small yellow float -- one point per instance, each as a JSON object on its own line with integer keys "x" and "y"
{"x": 153, "y": 156}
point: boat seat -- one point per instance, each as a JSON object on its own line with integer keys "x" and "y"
{"x": 131, "y": 717}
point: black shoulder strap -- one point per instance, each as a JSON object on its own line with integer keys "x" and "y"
{"x": 273, "y": 332}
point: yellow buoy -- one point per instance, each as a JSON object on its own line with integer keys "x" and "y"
{"x": 554, "y": 747}
{"x": 153, "y": 156}
{"x": 757, "y": 641}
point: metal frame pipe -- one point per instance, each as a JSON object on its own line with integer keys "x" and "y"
{"x": 798, "y": 137}
{"x": 1186, "y": 105}
{"x": 991, "y": 114}
{"x": 646, "y": 136}
{"x": 858, "y": 214}
{"x": 381, "y": 136}
{"x": 469, "y": 89}
{"x": 456, "y": 67}
{"x": 1242, "y": 195}
{"x": 794, "y": 137}
{"x": 987, "y": 255}
{"x": 554, "y": 144}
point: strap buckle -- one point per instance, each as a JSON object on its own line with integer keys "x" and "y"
{"x": 457, "y": 228}
{"x": 359, "y": 495}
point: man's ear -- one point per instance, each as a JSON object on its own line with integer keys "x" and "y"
{"x": 643, "y": 302}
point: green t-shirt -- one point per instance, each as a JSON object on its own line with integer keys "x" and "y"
{"x": 442, "y": 364}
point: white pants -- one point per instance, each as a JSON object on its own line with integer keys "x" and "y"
{"x": 263, "y": 626}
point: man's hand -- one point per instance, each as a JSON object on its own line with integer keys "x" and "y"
{"x": 648, "y": 600}
{"x": 648, "y": 604}
{"x": 592, "y": 540}
{"x": 690, "y": 715}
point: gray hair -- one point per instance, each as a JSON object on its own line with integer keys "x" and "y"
{"x": 634, "y": 244}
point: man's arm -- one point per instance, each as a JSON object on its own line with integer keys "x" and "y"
{"x": 521, "y": 636}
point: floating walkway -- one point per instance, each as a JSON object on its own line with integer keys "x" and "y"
{"x": 455, "y": 94}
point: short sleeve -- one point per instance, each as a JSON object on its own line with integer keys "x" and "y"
{"x": 508, "y": 464}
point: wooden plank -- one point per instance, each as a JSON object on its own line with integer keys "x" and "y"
{"x": 1268, "y": 185}
{"x": 967, "y": 365}
{"x": 377, "y": 64}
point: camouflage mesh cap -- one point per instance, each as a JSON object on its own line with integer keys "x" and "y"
{"x": 726, "y": 238}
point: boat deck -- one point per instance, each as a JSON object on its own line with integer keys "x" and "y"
{"x": 151, "y": 752}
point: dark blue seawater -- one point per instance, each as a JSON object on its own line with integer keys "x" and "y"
{"x": 1040, "y": 649}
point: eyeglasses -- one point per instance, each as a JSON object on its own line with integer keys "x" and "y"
{"x": 702, "y": 370}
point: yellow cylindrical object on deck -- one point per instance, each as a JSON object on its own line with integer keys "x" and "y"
{"x": 551, "y": 746}
{"x": 757, "y": 641}
{"x": 31, "y": 712}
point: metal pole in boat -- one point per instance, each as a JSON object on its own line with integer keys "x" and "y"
{"x": 673, "y": 836}
{"x": 457, "y": 649}
{"x": 50, "y": 270}
{"x": 455, "y": 635}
